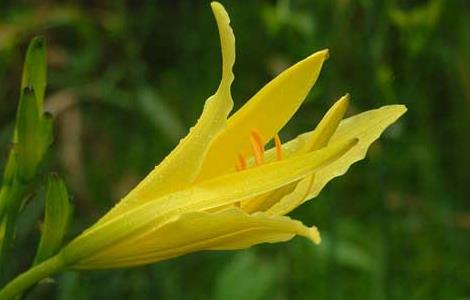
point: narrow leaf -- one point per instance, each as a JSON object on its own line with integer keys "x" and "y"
{"x": 35, "y": 69}
{"x": 28, "y": 131}
{"x": 58, "y": 211}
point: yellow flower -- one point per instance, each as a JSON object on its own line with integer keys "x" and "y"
{"x": 219, "y": 189}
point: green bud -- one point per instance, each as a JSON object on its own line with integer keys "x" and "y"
{"x": 35, "y": 69}
{"x": 34, "y": 135}
{"x": 33, "y": 132}
{"x": 58, "y": 211}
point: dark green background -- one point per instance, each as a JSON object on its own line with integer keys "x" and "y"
{"x": 128, "y": 78}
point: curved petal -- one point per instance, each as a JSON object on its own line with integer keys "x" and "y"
{"x": 181, "y": 166}
{"x": 267, "y": 111}
{"x": 226, "y": 230}
{"x": 207, "y": 195}
{"x": 366, "y": 127}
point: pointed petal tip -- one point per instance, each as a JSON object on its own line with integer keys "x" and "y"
{"x": 325, "y": 53}
{"x": 217, "y": 7}
{"x": 398, "y": 109}
{"x": 343, "y": 102}
{"x": 227, "y": 41}
{"x": 221, "y": 15}
{"x": 401, "y": 110}
{"x": 322, "y": 55}
{"x": 314, "y": 235}
{"x": 313, "y": 62}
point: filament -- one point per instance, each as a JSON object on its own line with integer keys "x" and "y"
{"x": 278, "y": 144}
{"x": 241, "y": 163}
{"x": 257, "y": 146}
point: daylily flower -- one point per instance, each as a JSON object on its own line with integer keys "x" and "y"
{"x": 219, "y": 189}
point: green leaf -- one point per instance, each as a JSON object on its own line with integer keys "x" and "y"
{"x": 58, "y": 211}
{"x": 35, "y": 69}
{"x": 10, "y": 167}
{"x": 28, "y": 127}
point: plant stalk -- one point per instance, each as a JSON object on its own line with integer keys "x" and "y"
{"x": 10, "y": 205}
{"x": 27, "y": 279}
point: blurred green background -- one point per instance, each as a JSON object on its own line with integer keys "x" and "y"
{"x": 128, "y": 78}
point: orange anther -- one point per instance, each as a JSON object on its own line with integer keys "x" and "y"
{"x": 278, "y": 144}
{"x": 257, "y": 146}
{"x": 241, "y": 163}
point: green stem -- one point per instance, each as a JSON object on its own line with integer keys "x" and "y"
{"x": 15, "y": 194}
{"x": 4, "y": 192}
{"x": 31, "y": 276}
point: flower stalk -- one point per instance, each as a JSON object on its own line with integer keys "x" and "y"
{"x": 27, "y": 279}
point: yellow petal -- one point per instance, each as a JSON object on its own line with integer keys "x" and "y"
{"x": 289, "y": 201}
{"x": 318, "y": 139}
{"x": 262, "y": 202}
{"x": 195, "y": 231}
{"x": 367, "y": 127}
{"x": 268, "y": 111}
{"x": 179, "y": 168}
{"x": 207, "y": 195}
{"x": 327, "y": 126}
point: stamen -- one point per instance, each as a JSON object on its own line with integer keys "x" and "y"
{"x": 278, "y": 144}
{"x": 241, "y": 163}
{"x": 257, "y": 146}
